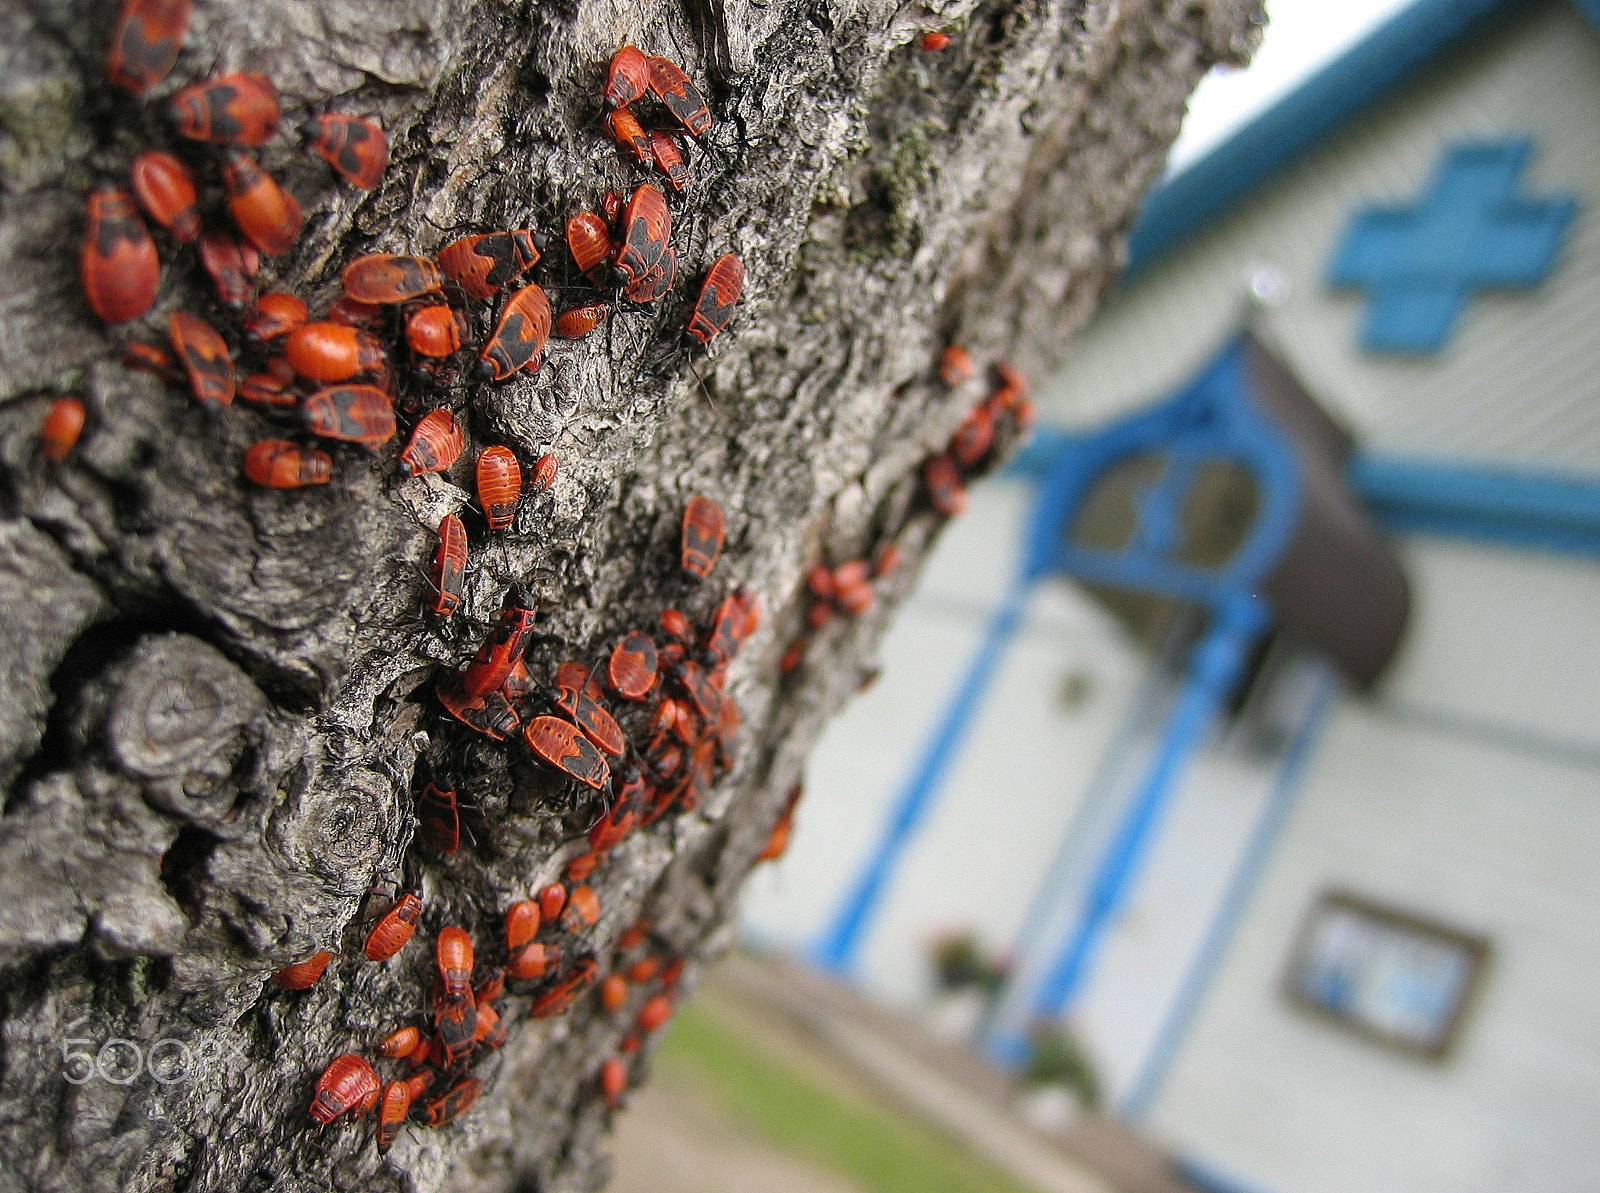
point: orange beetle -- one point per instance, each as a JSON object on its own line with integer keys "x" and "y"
{"x": 955, "y": 366}
{"x": 704, "y": 529}
{"x": 589, "y": 242}
{"x": 645, "y": 969}
{"x": 973, "y": 437}
{"x": 393, "y": 1109}
{"x": 545, "y": 469}
{"x": 614, "y": 992}
{"x": 933, "y": 41}
{"x": 436, "y": 331}
{"x": 654, "y": 1014}
{"x": 149, "y": 358}
{"x": 355, "y": 147}
{"x": 236, "y": 109}
{"x": 303, "y": 975}
{"x": 449, "y": 566}
{"x": 562, "y": 995}
{"x": 629, "y": 134}
{"x": 551, "y": 900}
{"x": 945, "y": 487}
{"x": 166, "y": 190}
{"x": 627, "y": 78}
{"x": 669, "y": 160}
{"x": 533, "y": 960}
{"x": 583, "y": 909}
{"x": 855, "y": 598}
{"x": 276, "y": 315}
{"x": 646, "y": 233}
{"x": 117, "y": 264}
{"x": 350, "y": 413}
{"x": 390, "y": 934}
{"x": 61, "y": 428}
{"x": 204, "y": 355}
{"x": 499, "y": 652}
{"x": 264, "y": 211}
{"x": 580, "y": 321}
{"x": 635, "y": 936}
{"x": 719, "y": 294}
{"x": 518, "y": 339}
{"x": 386, "y": 278}
{"x": 435, "y": 444}
{"x": 145, "y": 42}
{"x": 455, "y": 1024}
{"x": 499, "y": 485}
{"x": 613, "y": 1081}
{"x": 403, "y": 1042}
{"x": 562, "y": 745}
{"x": 522, "y": 924}
{"x": 279, "y": 464}
{"x": 580, "y": 867}
{"x": 348, "y": 1084}
{"x": 482, "y": 265}
{"x": 679, "y": 95}
{"x": 453, "y": 952}
{"x": 453, "y": 1103}
{"x": 333, "y": 352}
{"x": 232, "y": 264}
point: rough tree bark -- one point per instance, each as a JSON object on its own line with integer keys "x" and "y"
{"x": 215, "y": 695}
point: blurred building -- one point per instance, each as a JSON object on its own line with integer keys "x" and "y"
{"x": 1267, "y": 688}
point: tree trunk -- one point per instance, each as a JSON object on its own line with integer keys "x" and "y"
{"x": 218, "y": 694}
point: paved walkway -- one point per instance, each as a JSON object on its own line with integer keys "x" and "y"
{"x": 675, "y": 1138}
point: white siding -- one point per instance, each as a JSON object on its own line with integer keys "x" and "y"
{"x": 1520, "y": 380}
{"x": 1496, "y": 832}
{"x": 1006, "y": 802}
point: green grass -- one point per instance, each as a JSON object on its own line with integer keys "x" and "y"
{"x": 862, "y": 1142}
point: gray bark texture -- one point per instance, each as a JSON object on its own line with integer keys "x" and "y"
{"x": 216, "y": 695}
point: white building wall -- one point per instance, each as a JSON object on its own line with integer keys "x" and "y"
{"x": 1520, "y": 380}
{"x": 1016, "y": 783}
{"x": 1486, "y": 817}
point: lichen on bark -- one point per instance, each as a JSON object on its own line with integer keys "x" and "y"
{"x": 217, "y": 695}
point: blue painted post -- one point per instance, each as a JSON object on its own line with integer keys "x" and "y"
{"x": 1269, "y": 826}
{"x": 1214, "y": 668}
{"x": 836, "y": 951}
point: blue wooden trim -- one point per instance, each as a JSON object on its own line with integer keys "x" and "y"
{"x": 1213, "y": 416}
{"x": 1003, "y": 1034}
{"x": 1529, "y": 508}
{"x": 838, "y": 949}
{"x": 1471, "y": 229}
{"x": 1214, "y": 667}
{"x": 1193, "y": 198}
{"x": 1225, "y": 920}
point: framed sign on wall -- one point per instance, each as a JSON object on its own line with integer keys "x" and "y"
{"x": 1389, "y": 975}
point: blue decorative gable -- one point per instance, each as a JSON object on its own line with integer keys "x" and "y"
{"x": 1420, "y": 265}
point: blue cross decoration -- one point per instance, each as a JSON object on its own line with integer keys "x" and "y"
{"x": 1420, "y": 265}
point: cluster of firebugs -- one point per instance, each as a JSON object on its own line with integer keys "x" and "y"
{"x": 404, "y": 323}
{"x": 692, "y": 727}
{"x": 389, "y": 300}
